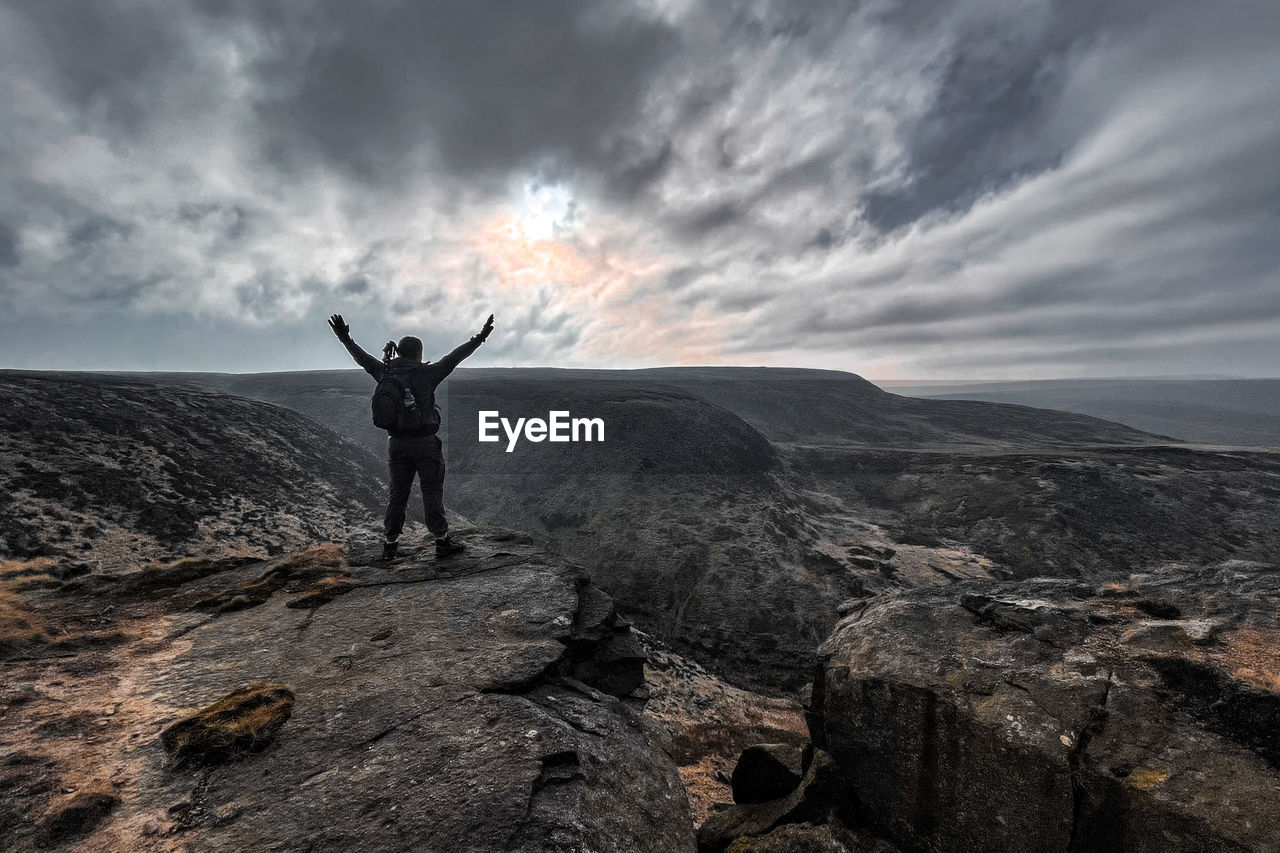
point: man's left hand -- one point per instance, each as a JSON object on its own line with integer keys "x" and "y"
{"x": 488, "y": 327}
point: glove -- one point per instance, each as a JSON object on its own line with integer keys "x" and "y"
{"x": 339, "y": 326}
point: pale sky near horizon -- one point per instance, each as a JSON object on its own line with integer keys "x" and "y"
{"x": 911, "y": 189}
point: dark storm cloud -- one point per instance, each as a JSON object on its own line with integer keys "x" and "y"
{"x": 104, "y": 54}
{"x": 702, "y": 222}
{"x": 969, "y": 144}
{"x": 260, "y": 293}
{"x": 823, "y": 240}
{"x": 636, "y": 169}
{"x": 985, "y": 129}
{"x": 812, "y": 25}
{"x": 486, "y": 86}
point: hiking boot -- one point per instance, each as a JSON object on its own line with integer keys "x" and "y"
{"x": 389, "y": 550}
{"x": 447, "y": 547}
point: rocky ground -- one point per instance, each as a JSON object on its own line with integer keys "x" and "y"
{"x": 488, "y": 702}
{"x": 1070, "y": 511}
{"x": 104, "y": 471}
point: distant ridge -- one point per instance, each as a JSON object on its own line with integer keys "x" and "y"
{"x": 1214, "y": 411}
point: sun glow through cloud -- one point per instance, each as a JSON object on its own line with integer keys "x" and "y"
{"x": 545, "y": 254}
{"x": 520, "y": 259}
{"x": 547, "y": 210}
{"x": 533, "y": 244}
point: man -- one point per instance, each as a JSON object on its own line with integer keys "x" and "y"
{"x": 417, "y": 450}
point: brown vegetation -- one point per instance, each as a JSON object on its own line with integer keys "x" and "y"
{"x": 297, "y": 572}
{"x": 324, "y": 555}
{"x": 711, "y": 722}
{"x": 163, "y": 576}
{"x": 18, "y": 625}
{"x": 1251, "y": 655}
{"x": 245, "y": 720}
{"x": 322, "y": 592}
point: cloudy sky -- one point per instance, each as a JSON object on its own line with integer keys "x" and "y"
{"x": 910, "y": 189}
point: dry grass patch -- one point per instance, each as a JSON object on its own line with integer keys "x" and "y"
{"x": 246, "y": 720}
{"x": 322, "y": 592}
{"x": 26, "y": 568}
{"x": 40, "y": 573}
{"x": 706, "y": 753}
{"x": 327, "y": 555}
{"x": 728, "y": 738}
{"x": 19, "y": 625}
{"x": 163, "y": 576}
{"x": 1251, "y": 655}
{"x": 294, "y": 573}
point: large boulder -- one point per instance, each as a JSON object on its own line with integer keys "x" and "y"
{"x": 769, "y": 771}
{"x": 1056, "y": 716}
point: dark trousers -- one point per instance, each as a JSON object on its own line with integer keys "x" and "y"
{"x": 422, "y": 456}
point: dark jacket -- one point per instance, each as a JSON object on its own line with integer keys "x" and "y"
{"x": 422, "y": 377}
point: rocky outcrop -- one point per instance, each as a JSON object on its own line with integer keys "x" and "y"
{"x": 673, "y": 515}
{"x": 1059, "y": 716}
{"x": 481, "y": 703}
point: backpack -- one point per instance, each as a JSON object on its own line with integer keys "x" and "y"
{"x": 395, "y": 408}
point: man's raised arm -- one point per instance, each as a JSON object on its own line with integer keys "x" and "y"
{"x": 453, "y": 359}
{"x": 371, "y": 365}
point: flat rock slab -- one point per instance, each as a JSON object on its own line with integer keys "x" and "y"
{"x": 436, "y": 708}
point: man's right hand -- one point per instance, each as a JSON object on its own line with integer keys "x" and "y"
{"x": 340, "y": 328}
